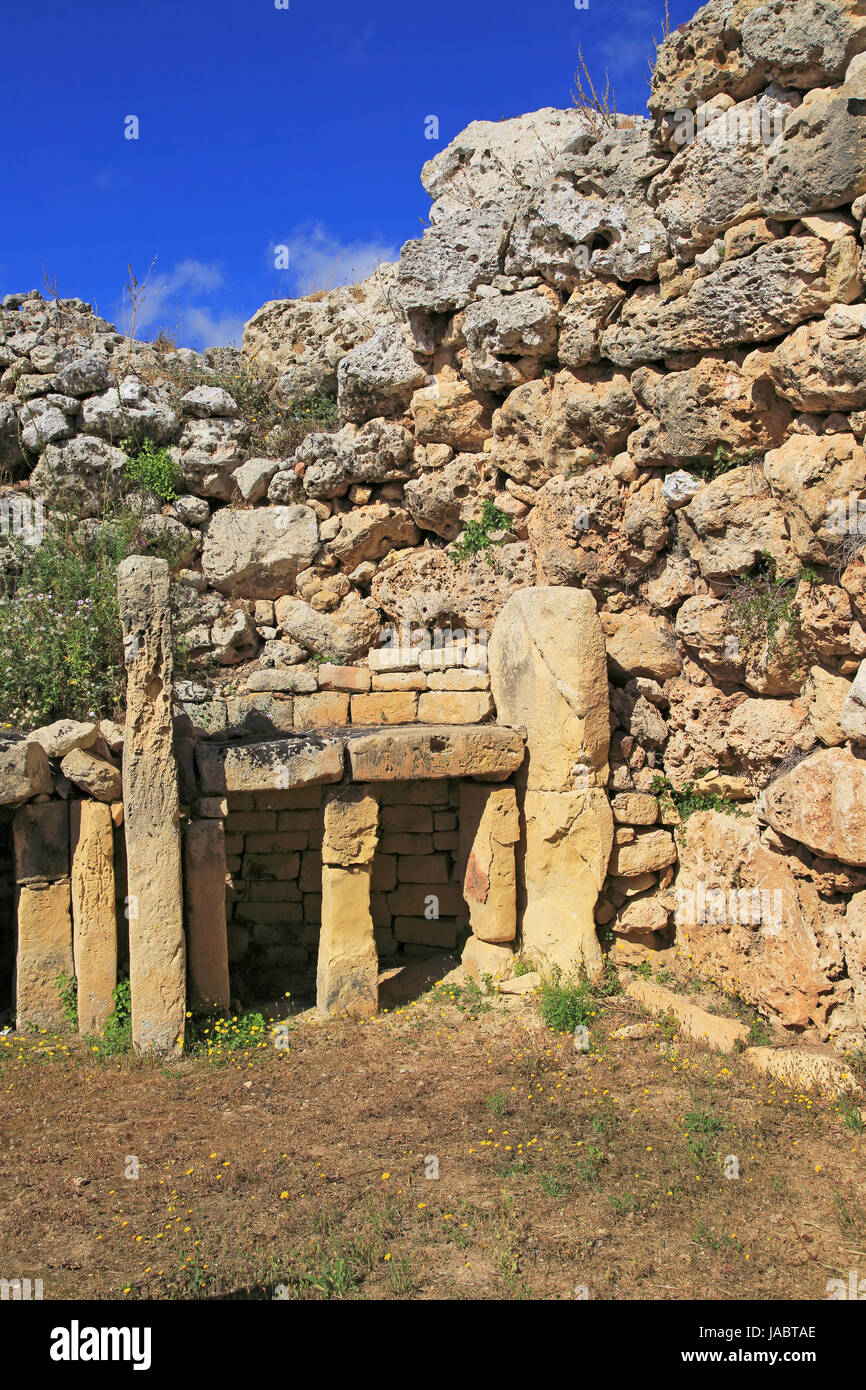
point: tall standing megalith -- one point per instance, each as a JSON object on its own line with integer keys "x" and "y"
{"x": 548, "y": 672}
{"x": 157, "y": 954}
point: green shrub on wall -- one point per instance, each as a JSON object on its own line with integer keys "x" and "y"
{"x": 61, "y": 649}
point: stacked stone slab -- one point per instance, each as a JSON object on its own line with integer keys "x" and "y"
{"x": 41, "y": 841}
{"x": 347, "y": 977}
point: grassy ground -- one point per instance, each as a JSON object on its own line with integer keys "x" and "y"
{"x": 454, "y": 1148}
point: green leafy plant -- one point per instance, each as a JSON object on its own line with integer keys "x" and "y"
{"x": 497, "y": 1104}
{"x": 61, "y": 645}
{"x": 761, "y": 606}
{"x": 67, "y": 990}
{"x": 477, "y": 537}
{"x": 116, "y": 1035}
{"x": 150, "y": 467}
{"x": 710, "y": 466}
{"x": 686, "y": 801}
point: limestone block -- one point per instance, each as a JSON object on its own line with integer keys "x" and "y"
{"x": 385, "y": 707}
{"x": 279, "y": 764}
{"x": 157, "y": 953}
{"x": 351, "y": 827}
{"x": 454, "y": 706}
{"x": 353, "y": 678}
{"x": 548, "y": 674}
{"x": 421, "y": 931}
{"x": 327, "y": 710}
{"x": 41, "y": 837}
{"x": 24, "y": 772}
{"x": 94, "y": 920}
{"x": 648, "y": 852}
{"x": 434, "y": 751}
{"x": 60, "y": 738}
{"x": 346, "y": 979}
{"x": 44, "y": 952}
{"x": 568, "y": 842}
{"x": 489, "y": 830}
{"x": 204, "y": 862}
{"x": 95, "y": 776}
{"x": 482, "y": 958}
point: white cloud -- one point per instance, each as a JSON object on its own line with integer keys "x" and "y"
{"x": 318, "y": 260}
{"x": 173, "y": 301}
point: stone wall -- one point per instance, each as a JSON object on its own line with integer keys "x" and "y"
{"x": 637, "y": 348}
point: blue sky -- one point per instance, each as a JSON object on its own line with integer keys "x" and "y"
{"x": 261, "y": 127}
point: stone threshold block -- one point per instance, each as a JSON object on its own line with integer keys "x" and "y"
{"x": 204, "y": 871}
{"x": 406, "y": 753}
{"x": 44, "y": 952}
{"x": 276, "y": 765}
{"x": 94, "y": 920}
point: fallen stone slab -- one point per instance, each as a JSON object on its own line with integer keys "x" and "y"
{"x": 721, "y": 1034}
{"x": 401, "y": 753}
{"x": 277, "y": 765}
{"x": 804, "y": 1068}
{"x": 521, "y": 984}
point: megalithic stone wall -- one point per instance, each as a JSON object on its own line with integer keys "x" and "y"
{"x": 157, "y": 952}
{"x": 548, "y": 674}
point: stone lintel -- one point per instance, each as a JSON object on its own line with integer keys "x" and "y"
{"x": 278, "y": 765}
{"x": 403, "y": 753}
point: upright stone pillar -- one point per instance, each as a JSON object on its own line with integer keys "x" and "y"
{"x": 94, "y": 923}
{"x": 548, "y": 672}
{"x": 157, "y": 956}
{"x": 348, "y": 961}
{"x": 204, "y": 862}
{"x": 489, "y": 830}
{"x": 41, "y": 839}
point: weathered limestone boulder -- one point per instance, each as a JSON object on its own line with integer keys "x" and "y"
{"x": 440, "y": 272}
{"x": 301, "y": 341}
{"x": 639, "y": 644}
{"x": 650, "y": 851}
{"x": 94, "y": 925}
{"x": 721, "y": 1034}
{"x": 762, "y": 732}
{"x": 60, "y": 738}
{"x": 805, "y": 1070}
{"x": 744, "y": 918}
{"x": 749, "y": 300}
{"x": 548, "y": 675}
{"x": 450, "y": 412}
{"x": 258, "y": 553}
{"x": 342, "y": 635}
{"x": 482, "y": 958}
{"x": 205, "y": 401}
{"x": 204, "y": 873}
{"x": 44, "y": 952}
{"x": 96, "y": 777}
{"x": 368, "y": 533}
{"x": 378, "y": 377}
{"x": 732, "y": 521}
{"x": 24, "y": 772}
{"x": 329, "y": 464}
{"x": 131, "y": 410}
{"x": 157, "y": 963}
{"x": 737, "y": 48}
{"x": 821, "y": 803}
{"x": 508, "y": 338}
{"x": 854, "y": 944}
{"x": 812, "y": 478}
{"x": 207, "y": 453}
{"x": 348, "y": 963}
{"x": 426, "y": 586}
{"x": 304, "y": 760}
{"x": 825, "y": 697}
{"x": 853, "y": 716}
{"x": 819, "y": 161}
{"x": 80, "y": 474}
{"x": 692, "y": 410}
{"x": 553, "y": 425}
{"x": 821, "y": 366}
{"x": 442, "y": 500}
{"x": 489, "y": 830}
